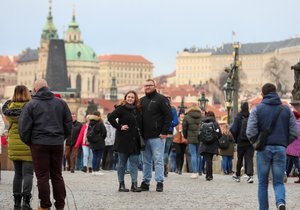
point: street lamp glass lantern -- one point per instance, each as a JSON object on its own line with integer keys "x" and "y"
{"x": 228, "y": 93}
{"x": 203, "y": 101}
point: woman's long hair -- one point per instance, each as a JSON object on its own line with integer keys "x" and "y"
{"x": 21, "y": 94}
{"x": 136, "y": 100}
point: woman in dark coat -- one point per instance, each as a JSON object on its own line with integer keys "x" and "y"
{"x": 96, "y": 134}
{"x": 127, "y": 138}
{"x": 209, "y": 150}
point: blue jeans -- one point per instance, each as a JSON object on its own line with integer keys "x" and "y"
{"x": 154, "y": 152}
{"x": 122, "y": 166}
{"x": 168, "y": 144}
{"x": 274, "y": 158}
{"x": 79, "y": 159}
{"x": 87, "y": 156}
{"x": 195, "y": 157}
{"x": 173, "y": 160}
{"x": 226, "y": 164}
{"x": 97, "y": 156}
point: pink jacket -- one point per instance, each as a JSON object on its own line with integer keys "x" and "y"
{"x": 80, "y": 137}
{"x": 294, "y": 148}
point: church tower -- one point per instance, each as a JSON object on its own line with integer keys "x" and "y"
{"x": 73, "y": 33}
{"x": 49, "y": 32}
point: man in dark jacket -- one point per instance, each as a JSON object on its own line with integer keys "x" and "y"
{"x": 45, "y": 122}
{"x": 245, "y": 150}
{"x": 273, "y": 156}
{"x": 70, "y": 151}
{"x": 157, "y": 117}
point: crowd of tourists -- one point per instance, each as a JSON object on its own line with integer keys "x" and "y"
{"x": 149, "y": 134}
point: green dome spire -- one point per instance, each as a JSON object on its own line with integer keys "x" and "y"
{"x": 49, "y": 31}
{"x": 73, "y": 26}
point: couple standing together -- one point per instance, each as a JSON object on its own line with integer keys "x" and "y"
{"x": 152, "y": 115}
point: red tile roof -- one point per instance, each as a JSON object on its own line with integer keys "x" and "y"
{"x": 124, "y": 58}
{"x": 7, "y": 63}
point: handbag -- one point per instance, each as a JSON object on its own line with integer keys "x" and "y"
{"x": 141, "y": 138}
{"x": 260, "y": 142}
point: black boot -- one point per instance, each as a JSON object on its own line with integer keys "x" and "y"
{"x": 17, "y": 200}
{"x": 26, "y": 202}
{"x": 135, "y": 188}
{"x": 84, "y": 169}
{"x": 144, "y": 186}
{"x": 122, "y": 187}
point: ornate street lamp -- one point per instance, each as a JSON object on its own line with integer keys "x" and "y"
{"x": 228, "y": 93}
{"x": 181, "y": 107}
{"x": 203, "y": 101}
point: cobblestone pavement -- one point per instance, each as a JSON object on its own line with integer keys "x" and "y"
{"x": 88, "y": 192}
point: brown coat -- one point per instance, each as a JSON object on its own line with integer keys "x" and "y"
{"x": 230, "y": 150}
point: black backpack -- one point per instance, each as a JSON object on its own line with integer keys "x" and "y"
{"x": 207, "y": 133}
{"x": 223, "y": 142}
{"x": 243, "y": 128}
{"x": 91, "y": 135}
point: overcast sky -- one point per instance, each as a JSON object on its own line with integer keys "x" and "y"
{"x": 155, "y": 29}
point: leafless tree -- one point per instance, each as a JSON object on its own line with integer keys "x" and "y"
{"x": 275, "y": 70}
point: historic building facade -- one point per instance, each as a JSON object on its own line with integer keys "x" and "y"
{"x": 126, "y": 69}
{"x": 196, "y": 66}
{"x": 8, "y": 73}
{"x": 82, "y": 62}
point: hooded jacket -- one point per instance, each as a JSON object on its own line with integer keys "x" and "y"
{"x": 97, "y": 141}
{"x": 235, "y": 128}
{"x": 190, "y": 125}
{"x": 285, "y": 129}
{"x": 45, "y": 120}
{"x": 17, "y": 150}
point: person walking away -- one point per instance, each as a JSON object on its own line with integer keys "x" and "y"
{"x": 226, "y": 152}
{"x": 70, "y": 150}
{"x": 244, "y": 148}
{"x": 180, "y": 145}
{"x": 86, "y": 150}
{"x": 157, "y": 118}
{"x": 209, "y": 148}
{"x": 107, "y": 161}
{"x": 273, "y": 156}
{"x": 45, "y": 122}
{"x": 96, "y": 134}
{"x": 19, "y": 152}
{"x": 169, "y": 138}
{"x": 190, "y": 129}
{"x": 293, "y": 152}
{"x": 127, "y": 142}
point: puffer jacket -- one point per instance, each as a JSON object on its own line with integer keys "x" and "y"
{"x": 190, "y": 125}
{"x": 17, "y": 150}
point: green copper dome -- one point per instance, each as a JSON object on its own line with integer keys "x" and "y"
{"x": 49, "y": 31}
{"x": 80, "y": 52}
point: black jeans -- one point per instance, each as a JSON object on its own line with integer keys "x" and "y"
{"x": 209, "y": 164}
{"x": 23, "y": 177}
{"x": 107, "y": 159}
{"x": 247, "y": 153}
{"x": 180, "y": 151}
{"x": 47, "y": 161}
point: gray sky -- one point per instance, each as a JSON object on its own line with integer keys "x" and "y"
{"x": 156, "y": 29}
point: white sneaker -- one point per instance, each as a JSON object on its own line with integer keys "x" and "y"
{"x": 194, "y": 176}
{"x": 246, "y": 176}
{"x": 250, "y": 179}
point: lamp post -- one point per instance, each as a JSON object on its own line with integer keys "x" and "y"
{"x": 233, "y": 78}
{"x": 228, "y": 93}
{"x": 181, "y": 107}
{"x": 203, "y": 101}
